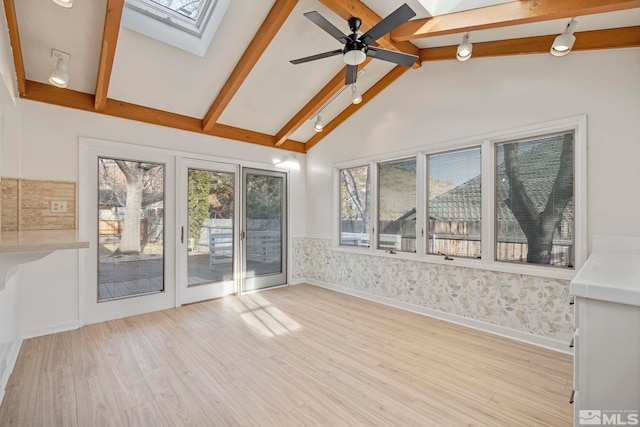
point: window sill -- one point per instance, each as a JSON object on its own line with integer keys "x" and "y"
{"x": 502, "y": 267}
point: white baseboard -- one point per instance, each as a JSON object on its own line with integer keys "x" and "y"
{"x": 537, "y": 340}
{"x": 13, "y": 358}
{"x": 51, "y": 329}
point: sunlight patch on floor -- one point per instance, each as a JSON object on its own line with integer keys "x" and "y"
{"x": 263, "y": 317}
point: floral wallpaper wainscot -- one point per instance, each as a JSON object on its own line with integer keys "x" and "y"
{"x": 534, "y": 305}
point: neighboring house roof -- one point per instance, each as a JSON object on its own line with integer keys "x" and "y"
{"x": 538, "y": 169}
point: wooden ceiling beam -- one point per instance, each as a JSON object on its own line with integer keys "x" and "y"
{"x": 112, "y": 19}
{"x": 506, "y": 14}
{"x": 325, "y": 94}
{"x": 83, "y": 101}
{"x": 373, "y": 91}
{"x": 16, "y": 48}
{"x": 267, "y": 31}
{"x": 614, "y": 38}
{"x": 349, "y": 8}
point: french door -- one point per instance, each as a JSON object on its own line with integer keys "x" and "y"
{"x": 127, "y": 215}
{"x": 264, "y": 231}
{"x": 208, "y": 230}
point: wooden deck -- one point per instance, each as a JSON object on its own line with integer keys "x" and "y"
{"x": 295, "y": 356}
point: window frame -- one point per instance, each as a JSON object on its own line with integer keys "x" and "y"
{"x": 426, "y": 194}
{"x": 340, "y": 206}
{"x": 377, "y": 195}
{"x": 487, "y": 144}
{"x": 163, "y": 24}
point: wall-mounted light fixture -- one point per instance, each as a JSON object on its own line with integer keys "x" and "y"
{"x": 64, "y": 3}
{"x": 564, "y": 42}
{"x": 59, "y": 76}
{"x": 464, "y": 49}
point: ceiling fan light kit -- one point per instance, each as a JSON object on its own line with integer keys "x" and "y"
{"x": 64, "y": 3}
{"x": 358, "y": 46}
{"x": 564, "y": 42}
{"x": 354, "y": 57}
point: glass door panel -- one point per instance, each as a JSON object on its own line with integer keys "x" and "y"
{"x": 124, "y": 213}
{"x": 208, "y": 231}
{"x": 130, "y": 228}
{"x": 264, "y": 226}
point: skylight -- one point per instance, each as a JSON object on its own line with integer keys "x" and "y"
{"x": 189, "y": 8}
{"x": 187, "y": 24}
{"x": 442, "y": 7}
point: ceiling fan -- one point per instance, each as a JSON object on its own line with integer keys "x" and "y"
{"x": 358, "y": 46}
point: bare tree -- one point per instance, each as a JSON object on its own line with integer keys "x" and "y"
{"x": 134, "y": 174}
{"x": 539, "y": 227}
{"x": 353, "y": 192}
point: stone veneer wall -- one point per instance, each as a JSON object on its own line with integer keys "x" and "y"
{"x": 533, "y": 305}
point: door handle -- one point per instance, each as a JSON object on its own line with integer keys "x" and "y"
{"x": 181, "y": 234}
{"x": 242, "y": 235}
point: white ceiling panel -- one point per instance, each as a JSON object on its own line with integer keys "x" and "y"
{"x": 78, "y": 31}
{"x": 151, "y": 73}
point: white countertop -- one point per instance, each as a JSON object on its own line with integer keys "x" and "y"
{"x": 613, "y": 277}
{"x": 41, "y": 240}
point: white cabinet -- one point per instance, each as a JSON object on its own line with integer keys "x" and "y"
{"x": 607, "y": 337}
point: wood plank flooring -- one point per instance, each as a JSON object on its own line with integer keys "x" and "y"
{"x": 296, "y": 356}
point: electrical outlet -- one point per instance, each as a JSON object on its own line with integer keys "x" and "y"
{"x": 58, "y": 206}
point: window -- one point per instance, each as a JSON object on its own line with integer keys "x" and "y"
{"x": 454, "y": 203}
{"x": 534, "y": 200}
{"x": 354, "y": 206}
{"x": 397, "y": 205}
{"x": 188, "y": 8}
{"x": 512, "y": 201}
{"x": 186, "y": 24}
{"x": 130, "y": 228}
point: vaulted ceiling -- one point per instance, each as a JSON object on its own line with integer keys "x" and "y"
{"x": 244, "y": 87}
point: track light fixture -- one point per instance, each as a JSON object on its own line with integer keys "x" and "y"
{"x": 464, "y": 49}
{"x": 64, "y": 3}
{"x": 319, "y": 124}
{"x": 356, "y": 97}
{"x": 59, "y": 76}
{"x": 564, "y": 42}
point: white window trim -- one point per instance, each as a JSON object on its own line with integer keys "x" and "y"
{"x": 487, "y": 142}
{"x": 178, "y": 32}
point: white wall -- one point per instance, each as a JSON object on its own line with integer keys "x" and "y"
{"x": 449, "y": 100}
{"x": 46, "y": 147}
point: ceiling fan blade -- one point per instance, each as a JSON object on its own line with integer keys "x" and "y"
{"x": 392, "y": 56}
{"x": 352, "y": 74}
{"x": 397, "y": 17}
{"x": 318, "y": 56}
{"x": 322, "y": 22}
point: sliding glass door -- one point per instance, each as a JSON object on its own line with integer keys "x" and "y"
{"x": 208, "y": 232}
{"x": 264, "y": 229}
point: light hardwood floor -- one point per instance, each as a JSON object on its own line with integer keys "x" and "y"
{"x": 297, "y": 356}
